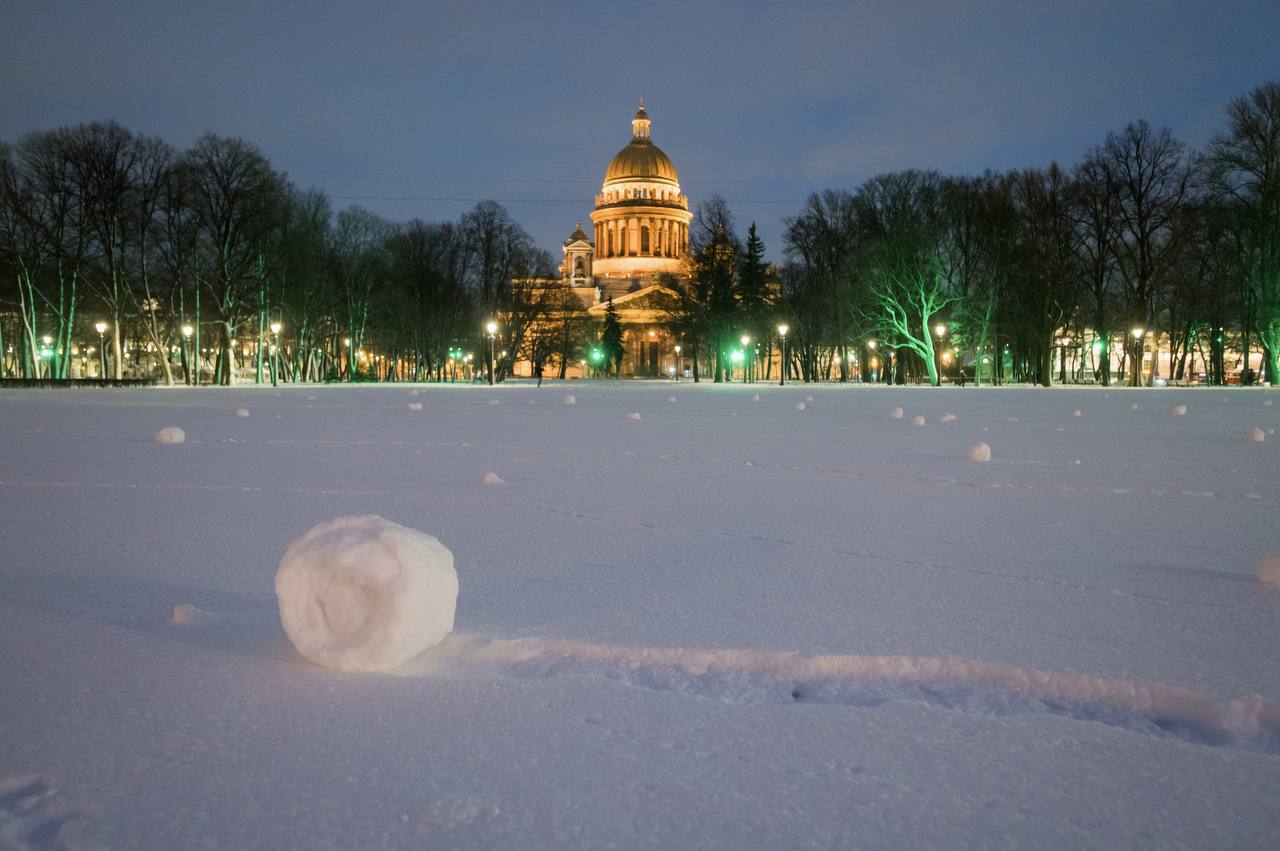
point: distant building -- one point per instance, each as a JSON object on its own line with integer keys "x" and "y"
{"x": 639, "y": 244}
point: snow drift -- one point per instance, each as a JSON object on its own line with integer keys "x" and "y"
{"x": 366, "y": 594}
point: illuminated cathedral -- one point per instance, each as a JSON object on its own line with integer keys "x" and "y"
{"x": 640, "y": 237}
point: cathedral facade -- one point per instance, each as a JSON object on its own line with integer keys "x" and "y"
{"x": 639, "y": 243}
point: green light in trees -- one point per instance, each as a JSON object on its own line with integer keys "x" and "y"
{"x": 736, "y": 356}
{"x": 596, "y": 355}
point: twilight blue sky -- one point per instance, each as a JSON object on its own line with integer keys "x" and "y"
{"x": 418, "y": 109}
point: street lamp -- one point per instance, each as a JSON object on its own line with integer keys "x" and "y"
{"x": 187, "y": 331}
{"x": 275, "y": 352}
{"x": 678, "y": 364}
{"x": 941, "y": 330}
{"x": 746, "y": 342}
{"x": 1138, "y": 333}
{"x": 101, "y": 328}
{"x": 782, "y": 332}
{"x": 492, "y": 328}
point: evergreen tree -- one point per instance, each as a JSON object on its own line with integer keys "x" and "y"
{"x": 611, "y": 338}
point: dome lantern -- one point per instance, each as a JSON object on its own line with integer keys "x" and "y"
{"x": 640, "y": 124}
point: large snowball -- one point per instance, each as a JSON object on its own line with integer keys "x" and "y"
{"x": 366, "y": 594}
{"x": 170, "y": 434}
{"x": 980, "y": 451}
{"x": 1267, "y": 569}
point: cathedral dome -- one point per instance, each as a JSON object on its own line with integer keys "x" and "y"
{"x": 640, "y": 160}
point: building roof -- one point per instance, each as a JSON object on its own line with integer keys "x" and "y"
{"x": 640, "y": 160}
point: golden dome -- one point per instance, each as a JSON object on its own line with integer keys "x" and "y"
{"x": 641, "y": 160}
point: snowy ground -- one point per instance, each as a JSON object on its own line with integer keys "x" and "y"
{"x": 728, "y": 623}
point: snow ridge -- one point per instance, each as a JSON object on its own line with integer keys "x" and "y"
{"x": 772, "y": 677}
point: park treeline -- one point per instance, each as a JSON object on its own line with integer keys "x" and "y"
{"x": 113, "y": 244}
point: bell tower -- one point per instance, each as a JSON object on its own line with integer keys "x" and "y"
{"x": 578, "y": 255}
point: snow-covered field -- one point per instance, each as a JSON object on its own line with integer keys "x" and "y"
{"x": 723, "y": 623}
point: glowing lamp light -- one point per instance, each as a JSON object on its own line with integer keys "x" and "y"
{"x": 1138, "y": 333}
{"x": 187, "y": 331}
{"x": 737, "y": 356}
{"x": 275, "y": 327}
{"x": 47, "y": 340}
{"x": 491, "y": 327}
{"x": 745, "y": 340}
{"x": 596, "y": 355}
{"x": 940, "y": 329}
{"x": 678, "y": 350}
{"x": 871, "y": 344}
{"x": 875, "y": 363}
{"x": 101, "y": 327}
{"x": 346, "y": 341}
{"x": 782, "y": 330}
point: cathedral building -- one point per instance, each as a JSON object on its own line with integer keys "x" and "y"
{"x": 639, "y": 239}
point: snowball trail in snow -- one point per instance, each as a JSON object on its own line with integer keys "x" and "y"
{"x": 170, "y": 434}
{"x": 775, "y": 677}
{"x": 365, "y": 594}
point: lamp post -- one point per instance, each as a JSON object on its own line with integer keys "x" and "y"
{"x": 678, "y": 364}
{"x": 275, "y": 352}
{"x": 746, "y": 354}
{"x": 187, "y": 331}
{"x": 871, "y": 361}
{"x": 782, "y": 333}
{"x": 492, "y": 328}
{"x": 1138, "y": 333}
{"x": 941, "y": 331}
{"x": 101, "y": 328}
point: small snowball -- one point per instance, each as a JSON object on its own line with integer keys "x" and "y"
{"x": 1225, "y": 399}
{"x": 1266, "y": 403}
{"x": 415, "y": 406}
{"x": 808, "y": 398}
{"x": 312, "y": 398}
{"x": 1178, "y": 410}
{"x": 1060, "y": 428}
{"x": 917, "y": 421}
{"x": 570, "y": 400}
{"x": 984, "y": 428}
{"x": 414, "y": 392}
{"x": 634, "y": 415}
{"x": 1267, "y": 569}
{"x": 494, "y": 479}
{"x": 947, "y": 418}
{"x": 800, "y": 406}
{"x": 1076, "y": 413}
{"x": 1257, "y": 435}
{"x": 671, "y": 398}
{"x": 896, "y": 413}
{"x": 494, "y": 402}
{"x": 366, "y": 594}
{"x": 756, "y": 398}
{"x": 1134, "y": 406}
{"x": 1014, "y": 419}
{"x": 170, "y": 434}
{"x": 242, "y": 412}
{"x": 1076, "y": 461}
{"x": 980, "y": 452}
{"x": 187, "y": 614}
